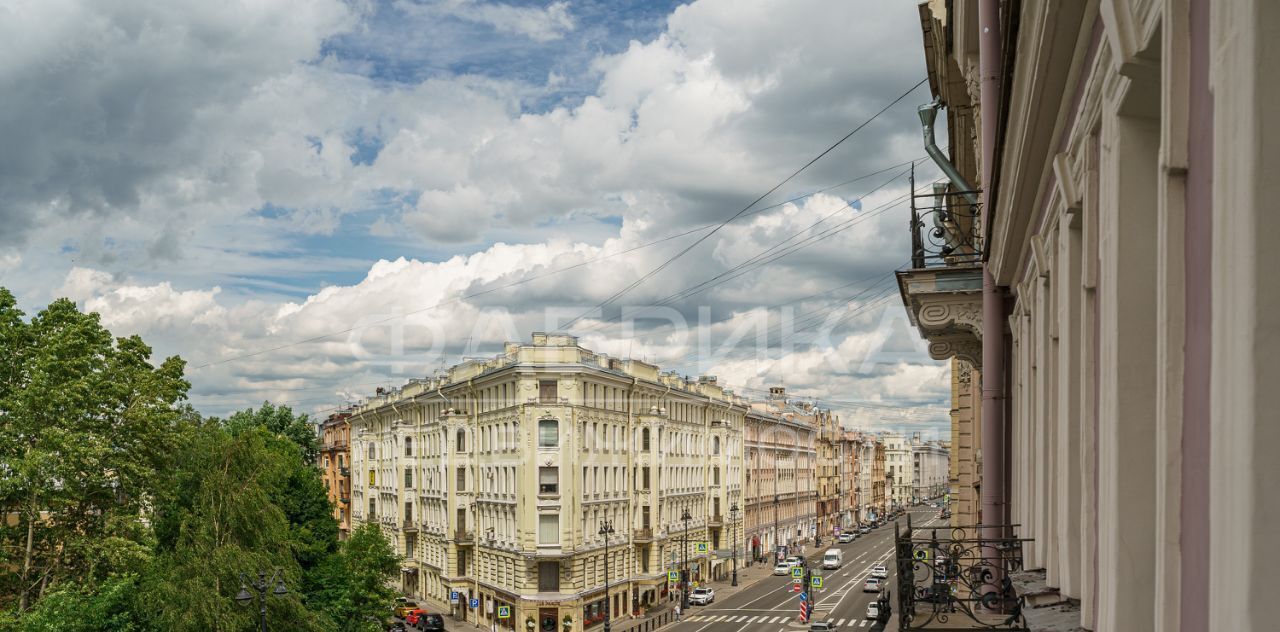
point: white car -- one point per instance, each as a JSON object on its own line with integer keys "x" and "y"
{"x": 794, "y": 561}
{"x": 871, "y": 585}
{"x": 846, "y": 537}
{"x": 879, "y": 571}
{"x": 702, "y": 596}
{"x": 782, "y": 568}
{"x": 873, "y": 611}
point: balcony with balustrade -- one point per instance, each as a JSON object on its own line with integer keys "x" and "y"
{"x": 942, "y": 291}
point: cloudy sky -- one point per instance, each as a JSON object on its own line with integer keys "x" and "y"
{"x": 307, "y": 199}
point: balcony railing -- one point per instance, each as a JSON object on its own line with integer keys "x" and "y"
{"x": 944, "y": 231}
{"x": 642, "y": 535}
{"x": 953, "y": 579}
{"x": 463, "y": 536}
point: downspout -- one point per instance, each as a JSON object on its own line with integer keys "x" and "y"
{"x": 928, "y": 112}
{"x": 994, "y": 474}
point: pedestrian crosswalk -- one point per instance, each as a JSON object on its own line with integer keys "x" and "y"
{"x": 729, "y": 618}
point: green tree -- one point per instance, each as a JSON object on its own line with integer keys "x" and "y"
{"x": 89, "y": 430}
{"x": 222, "y": 520}
{"x": 352, "y": 586}
{"x": 280, "y": 420}
{"x": 303, "y": 498}
{"x": 75, "y": 608}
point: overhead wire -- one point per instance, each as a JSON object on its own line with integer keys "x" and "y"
{"x": 529, "y": 279}
{"x": 648, "y": 275}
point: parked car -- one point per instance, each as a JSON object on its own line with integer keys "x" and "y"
{"x": 403, "y": 607}
{"x": 864, "y": 529}
{"x": 795, "y": 560}
{"x": 431, "y": 622}
{"x": 846, "y": 537}
{"x": 782, "y": 568}
{"x": 873, "y": 611}
{"x": 822, "y": 626}
{"x": 702, "y": 596}
{"x": 871, "y": 585}
{"x": 880, "y": 571}
{"x": 414, "y": 617}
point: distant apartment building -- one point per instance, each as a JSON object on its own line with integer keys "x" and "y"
{"x": 509, "y": 480}
{"x": 879, "y": 483}
{"x": 780, "y": 483}
{"x": 847, "y": 468}
{"x": 929, "y": 469}
{"x": 335, "y": 467}
{"x": 899, "y": 470}
{"x": 865, "y": 460}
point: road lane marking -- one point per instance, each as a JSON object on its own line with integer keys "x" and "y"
{"x": 839, "y": 623}
{"x": 863, "y": 624}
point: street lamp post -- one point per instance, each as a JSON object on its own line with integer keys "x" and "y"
{"x": 684, "y": 591}
{"x": 260, "y": 586}
{"x": 776, "y": 544}
{"x": 733, "y": 518}
{"x": 606, "y": 530}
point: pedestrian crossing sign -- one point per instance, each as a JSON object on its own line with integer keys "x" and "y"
{"x": 797, "y": 572}
{"x": 504, "y": 612}
{"x": 673, "y": 576}
{"x": 816, "y": 581}
{"x": 702, "y": 547}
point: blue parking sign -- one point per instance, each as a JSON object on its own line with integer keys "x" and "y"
{"x": 475, "y": 603}
{"x": 453, "y": 596}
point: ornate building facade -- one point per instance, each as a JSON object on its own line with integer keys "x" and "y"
{"x": 510, "y": 480}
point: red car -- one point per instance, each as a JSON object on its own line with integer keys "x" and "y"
{"x": 414, "y": 616}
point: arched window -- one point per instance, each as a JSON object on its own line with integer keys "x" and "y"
{"x": 408, "y": 446}
{"x": 715, "y": 445}
{"x": 462, "y": 440}
{"x": 644, "y": 439}
{"x": 373, "y": 452}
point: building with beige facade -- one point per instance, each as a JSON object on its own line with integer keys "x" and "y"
{"x": 494, "y": 479}
{"x": 900, "y": 484}
{"x": 865, "y": 459}
{"x": 929, "y": 468}
{"x": 334, "y": 460}
{"x": 847, "y": 467}
{"x": 780, "y": 484}
{"x": 879, "y": 482}
{"x": 1104, "y": 260}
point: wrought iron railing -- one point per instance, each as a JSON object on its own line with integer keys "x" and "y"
{"x": 952, "y": 578}
{"x": 944, "y": 228}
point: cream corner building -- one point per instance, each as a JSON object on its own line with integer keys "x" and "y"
{"x": 493, "y": 480}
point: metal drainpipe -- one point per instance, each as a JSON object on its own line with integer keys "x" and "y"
{"x": 995, "y": 478}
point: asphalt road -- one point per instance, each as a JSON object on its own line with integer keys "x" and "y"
{"x": 771, "y": 606}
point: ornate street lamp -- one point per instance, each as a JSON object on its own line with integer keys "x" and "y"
{"x": 606, "y": 530}
{"x": 260, "y": 586}
{"x": 733, "y": 518}
{"x": 684, "y": 591}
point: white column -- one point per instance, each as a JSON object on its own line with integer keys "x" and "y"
{"x": 1069, "y": 411}
{"x": 1126, "y": 467}
{"x": 1245, "y": 418}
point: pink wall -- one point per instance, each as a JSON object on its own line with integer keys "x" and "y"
{"x": 1196, "y": 433}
